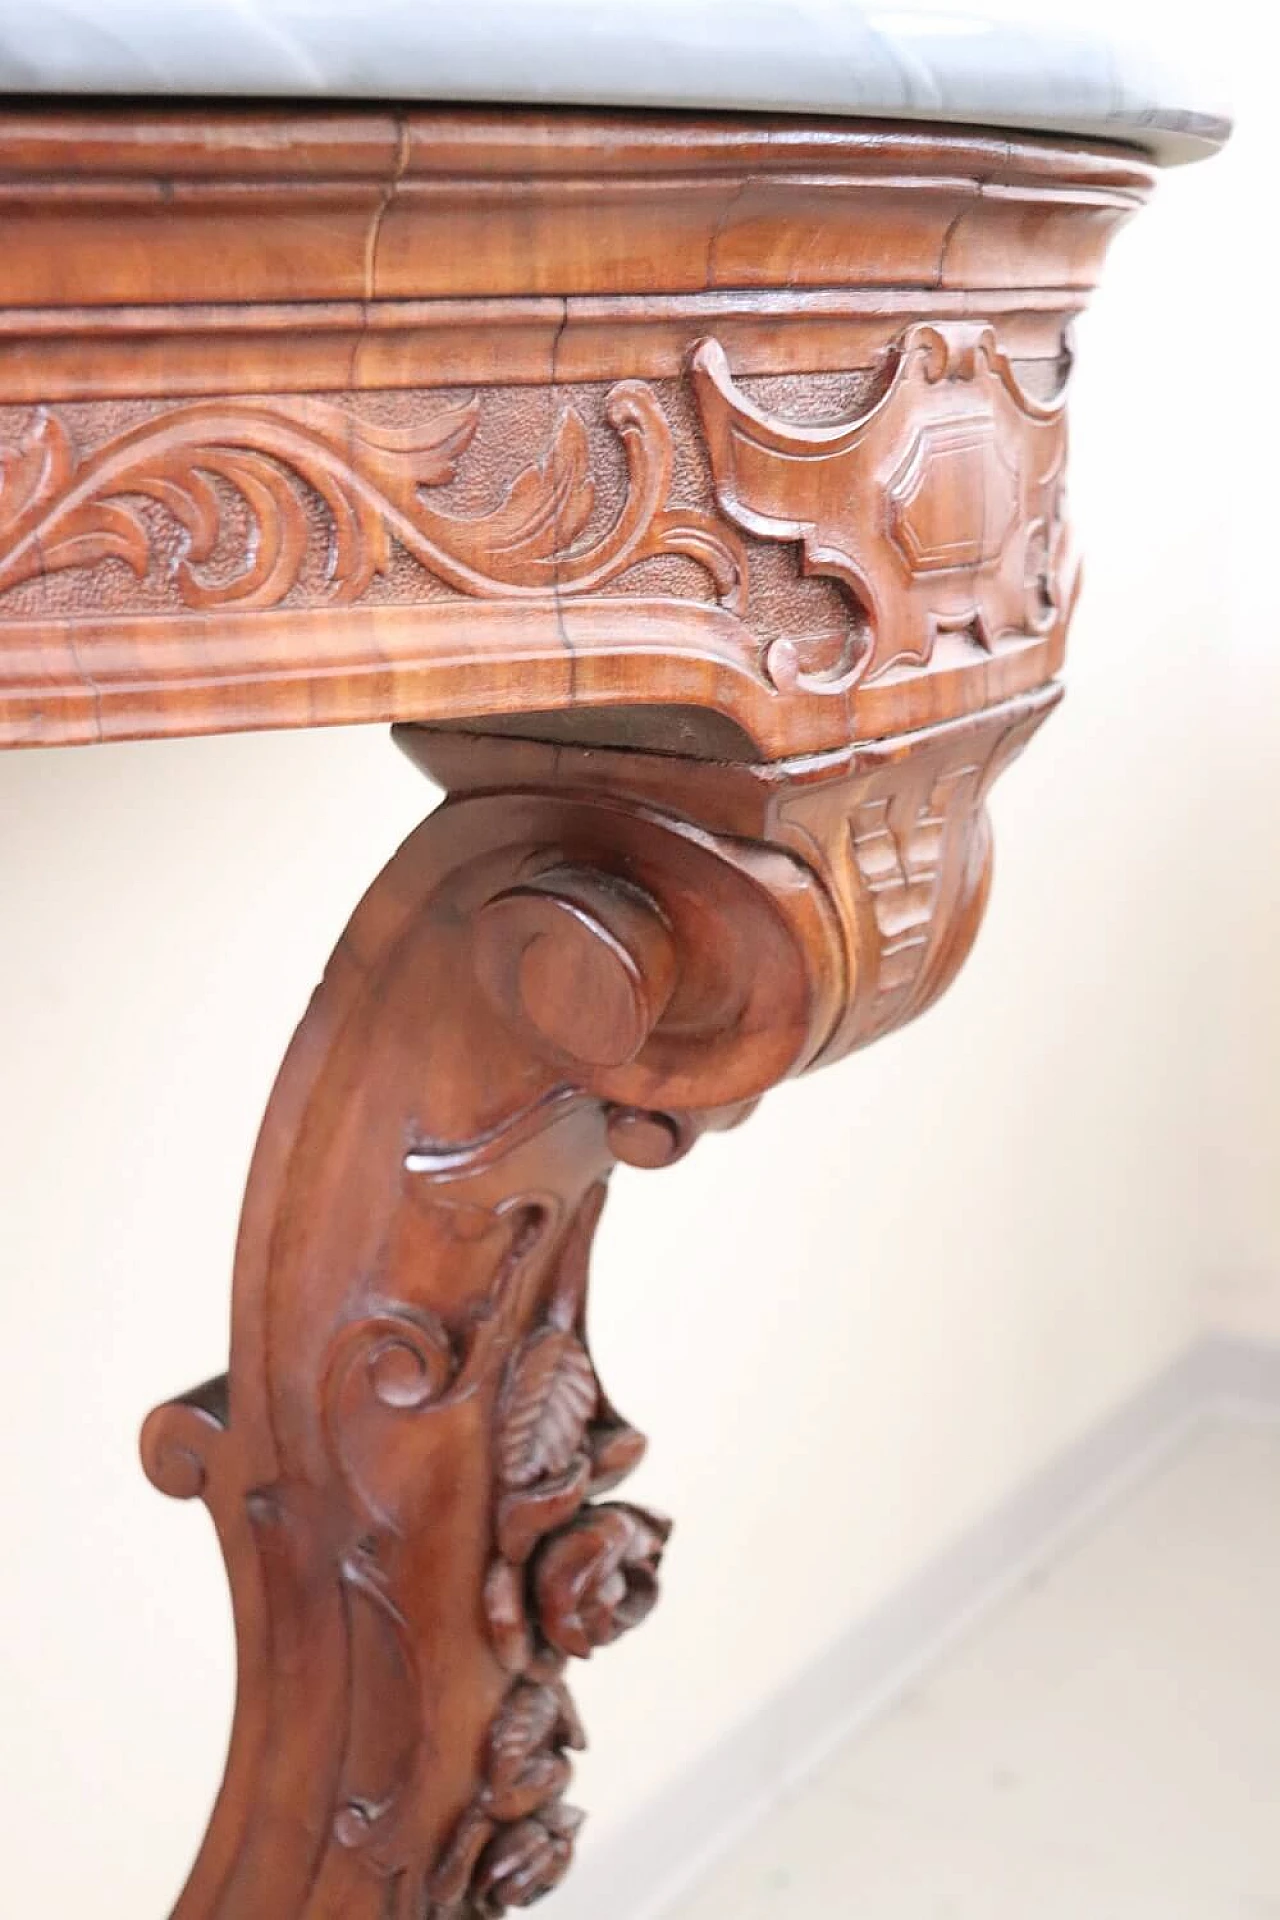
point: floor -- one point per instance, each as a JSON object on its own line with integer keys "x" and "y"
{"x": 1105, "y": 1747}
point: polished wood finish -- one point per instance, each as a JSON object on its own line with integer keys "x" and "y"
{"x": 586, "y": 956}
{"x": 347, "y": 417}
{"x": 694, "y": 490}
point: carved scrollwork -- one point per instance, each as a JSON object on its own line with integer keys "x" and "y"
{"x": 902, "y": 831}
{"x": 61, "y": 508}
{"x": 583, "y": 533}
{"x": 938, "y": 508}
{"x": 183, "y": 1439}
{"x": 567, "y": 1576}
{"x": 585, "y": 956}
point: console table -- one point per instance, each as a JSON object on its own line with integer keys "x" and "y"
{"x": 672, "y": 446}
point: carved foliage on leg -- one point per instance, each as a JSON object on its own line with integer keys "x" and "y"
{"x": 569, "y": 1573}
{"x": 581, "y": 958}
{"x": 415, "y": 1458}
{"x": 565, "y": 1574}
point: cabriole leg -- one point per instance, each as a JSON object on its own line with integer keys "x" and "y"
{"x": 583, "y": 957}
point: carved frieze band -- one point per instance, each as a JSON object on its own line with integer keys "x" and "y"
{"x": 939, "y": 508}
{"x": 930, "y": 515}
{"x": 214, "y": 466}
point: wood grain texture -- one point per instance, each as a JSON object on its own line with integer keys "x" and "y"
{"x": 700, "y": 482}
{"x": 667, "y": 543}
{"x": 584, "y": 957}
{"x": 349, "y": 416}
{"x": 195, "y": 205}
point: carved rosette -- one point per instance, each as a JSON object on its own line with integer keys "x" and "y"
{"x": 314, "y": 462}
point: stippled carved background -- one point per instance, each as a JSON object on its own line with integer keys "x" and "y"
{"x": 619, "y": 503}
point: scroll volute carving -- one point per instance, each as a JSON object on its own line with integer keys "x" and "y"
{"x": 588, "y": 961}
{"x": 938, "y": 507}
{"x": 610, "y": 567}
{"x": 583, "y": 957}
{"x": 413, "y": 1473}
{"x": 212, "y": 464}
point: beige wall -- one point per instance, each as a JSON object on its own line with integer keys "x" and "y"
{"x": 849, "y": 1328}
{"x": 1239, "y": 694}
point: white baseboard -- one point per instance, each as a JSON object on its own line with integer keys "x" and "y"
{"x": 640, "y": 1871}
{"x": 1240, "y": 1377}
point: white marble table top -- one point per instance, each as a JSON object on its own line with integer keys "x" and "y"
{"x": 996, "y": 66}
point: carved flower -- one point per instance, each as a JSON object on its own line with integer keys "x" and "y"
{"x": 525, "y": 1861}
{"x": 527, "y": 1770}
{"x": 598, "y": 1577}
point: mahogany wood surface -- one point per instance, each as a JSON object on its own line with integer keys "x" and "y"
{"x": 346, "y": 416}
{"x": 692, "y": 492}
{"x": 585, "y": 956}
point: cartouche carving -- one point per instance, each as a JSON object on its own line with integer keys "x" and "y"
{"x": 587, "y": 956}
{"x": 64, "y": 508}
{"x": 938, "y": 508}
{"x": 497, "y": 555}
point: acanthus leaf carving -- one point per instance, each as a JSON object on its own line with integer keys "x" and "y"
{"x": 908, "y": 843}
{"x": 62, "y": 509}
{"x": 526, "y": 1768}
{"x": 932, "y": 520}
{"x": 515, "y": 1841}
{"x": 408, "y": 1470}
